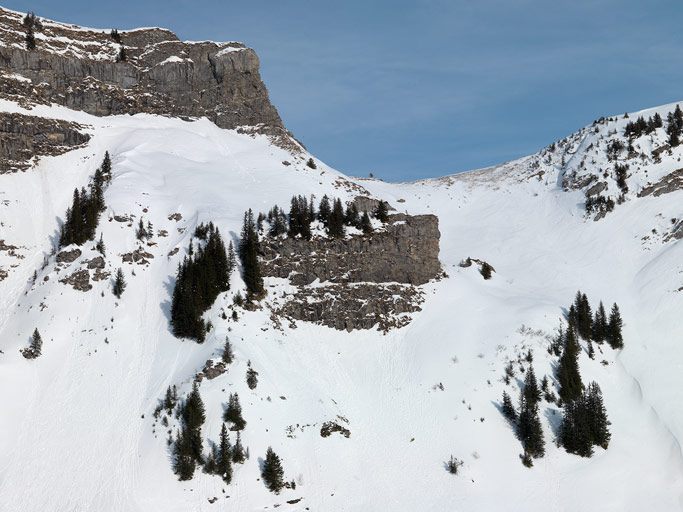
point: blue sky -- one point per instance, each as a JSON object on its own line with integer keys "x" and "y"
{"x": 411, "y": 89}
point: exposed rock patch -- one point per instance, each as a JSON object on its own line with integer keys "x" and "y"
{"x": 79, "y": 280}
{"x": 23, "y": 138}
{"x": 669, "y": 183}
{"x": 66, "y": 257}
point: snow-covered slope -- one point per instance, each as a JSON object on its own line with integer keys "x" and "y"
{"x": 77, "y": 432}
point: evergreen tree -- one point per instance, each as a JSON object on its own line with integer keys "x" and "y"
{"x": 224, "y": 458}
{"x": 486, "y": 270}
{"x": 252, "y": 378}
{"x": 532, "y": 394}
{"x": 194, "y": 415}
{"x": 30, "y": 39}
{"x": 508, "y": 409}
{"x": 529, "y": 429}
{"x": 233, "y": 413}
{"x": 585, "y": 423}
{"x": 248, "y": 253}
{"x": 335, "y": 223}
{"x": 366, "y": 224}
{"x": 201, "y": 277}
{"x": 300, "y": 218}
{"x": 35, "y": 346}
{"x": 351, "y": 217}
{"x": 600, "y": 324}
{"x": 324, "y": 210}
{"x": 100, "y": 247}
{"x": 238, "y": 453}
{"x": 382, "y": 212}
{"x": 106, "y": 167}
{"x": 614, "y": 336}
{"x": 568, "y": 369}
{"x": 122, "y": 56}
{"x": 584, "y": 317}
{"x": 119, "y": 284}
{"x": 278, "y": 222}
{"x": 184, "y": 462}
{"x": 141, "y": 232}
{"x": 272, "y": 472}
{"x": 228, "y": 355}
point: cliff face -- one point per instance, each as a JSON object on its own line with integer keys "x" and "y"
{"x": 82, "y": 69}
{"x": 407, "y": 252}
{"x": 364, "y": 281}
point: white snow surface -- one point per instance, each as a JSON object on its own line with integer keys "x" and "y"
{"x": 77, "y": 431}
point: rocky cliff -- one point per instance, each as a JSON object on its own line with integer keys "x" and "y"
{"x": 143, "y": 70}
{"x": 361, "y": 281}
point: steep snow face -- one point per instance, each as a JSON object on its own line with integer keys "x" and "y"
{"x": 78, "y": 431}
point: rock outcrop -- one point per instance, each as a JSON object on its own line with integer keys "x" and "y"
{"x": 83, "y": 69}
{"x": 407, "y": 251}
{"x": 23, "y": 138}
{"x": 361, "y": 281}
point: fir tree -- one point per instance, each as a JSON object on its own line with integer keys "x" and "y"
{"x": 585, "y": 423}
{"x": 224, "y": 458}
{"x": 228, "y": 355}
{"x": 248, "y": 253}
{"x": 119, "y": 284}
{"x": 324, "y": 210}
{"x": 568, "y": 369}
{"x": 100, "y": 247}
{"x": 106, "y": 167}
{"x": 194, "y": 415}
{"x": 366, "y": 224}
{"x": 30, "y": 39}
{"x": 310, "y": 163}
{"x": 486, "y": 270}
{"x": 233, "y": 413}
{"x": 238, "y": 453}
{"x": 614, "y": 336}
{"x": 351, "y": 217}
{"x": 335, "y": 223}
{"x": 529, "y": 429}
{"x": 382, "y": 212}
{"x": 184, "y": 462}
{"x": 122, "y": 56}
{"x": 532, "y": 394}
{"x": 252, "y": 378}
{"x": 507, "y": 408}
{"x": 600, "y": 324}
{"x": 35, "y": 346}
{"x": 272, "y": 472}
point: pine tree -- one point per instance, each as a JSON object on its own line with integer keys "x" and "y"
{"x": 614, "y": 336}
{"x": 228, "y": 355}
{"x": 224, "y": 459}
{"x": 366, "y": 223}
{"x": 532, "y": 394}
{"x": 194, "y": 415}
{"x": 600, "y": 324}
{"x": 119, "y": 284}
{"x": 382, "y": 212}
{"x": 35, "y": 346}
{"x": 100, "y": 247}
{"x": 529, "y": 429}
{"x": 122, "y": 56}
{"x": 568, "y": 369}
{"x": 335, "y": 223}
{"x": 585, "y": 423}
{"x": 30, "y": 38}
{"x": 238, "y": 453}
{"x": 106, "y": 167}
{"x": 233, "y": 413}
{"x": 248, "y": 253}
{"x": 184, "y": 462}
{"x": 272, "y": 472}
{"x": 252, "y": 378}
{"x": 324, "y": 210}
{"x": 486, "y": 270}
{"x": 351, "y": 216}
{"x": 507, "y": 408}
